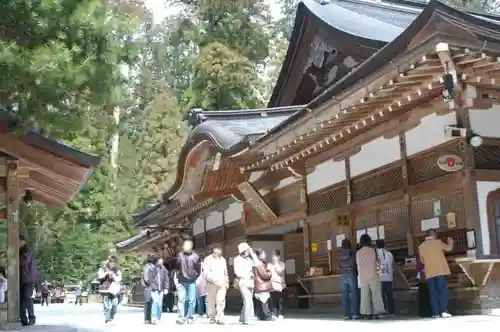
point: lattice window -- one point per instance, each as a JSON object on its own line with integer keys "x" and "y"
{"x": 253, "y": 219}
{"x": 487, "y": 157}
{"x": 394, "y": 219}
{"x": 425, "y": 167}
{"x": 366, "y": 220}
{"x": 423, "y": 208}
{"x": 459, "y": 237}
{"x": 377, "y": 184}
{"x": 327, "y": 199}
{"x": 290, "y": 203}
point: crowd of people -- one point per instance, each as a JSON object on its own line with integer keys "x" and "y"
{"x": 367, "y": 275}
{"x": 202, "y": 285}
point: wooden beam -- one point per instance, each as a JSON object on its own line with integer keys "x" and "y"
{"x": 255, "y": 200}
{"x": 3, "y": 167}
{"x": 13, "y": 242}
{"x": 58, "y": 166}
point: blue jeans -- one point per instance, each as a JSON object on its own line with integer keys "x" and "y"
{"x": 110, "y": 303}
{"x": 438, "y": 293}
{"x": 201, "y": 305}
{"x": 187, "y": 293}
{"x": 156, "y": 304}
{"x": 349, "y": 285}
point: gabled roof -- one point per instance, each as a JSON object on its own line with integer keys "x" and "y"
{"x": 230, "y": 132}
{"x": 382, "y": 21}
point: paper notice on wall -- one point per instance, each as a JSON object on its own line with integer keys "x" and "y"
{"x": 381, "y": 232}
{"x": 339, "y": 239}
{"x": 231, "y": 261}
{"x": 329, "y": 244}
{"x": 372, "y": 232}
{"x": 290, "y": 266}
{"x": 431, "y": 223}
{"x": 360, "y": 232}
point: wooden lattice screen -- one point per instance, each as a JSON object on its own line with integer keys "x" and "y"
{"x": 294, "y": 249}
{"x": 487, "y": 157}
{"x": 377, "y": 183}
{"x": 327, "y": 199}
{"x": 285, "y": 200}
{"x": 451, "y": 202}
{"x": 424, "y": 167}
{"x": 394, "y": 219}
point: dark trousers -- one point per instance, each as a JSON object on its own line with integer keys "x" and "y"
{"x": 201, "y": 305}
{"x": 78, "y": 299}
{"x": 147, "y": 310}
{"x": 27, "y": 313}
{"x": 168, "y": 302}
{"x": 262, "y": 310}
{"x": 45, "y": 299}
{"x": 388, "y": 297}
{"x": 438, "y": 293}
{"x": 277, "y": 303}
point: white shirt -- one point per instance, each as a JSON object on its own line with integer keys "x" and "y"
{"x": 386, "y": 260}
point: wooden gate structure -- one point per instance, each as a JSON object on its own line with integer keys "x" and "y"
{"x": 397, "y": 135}
{"x": 33, "y": 167}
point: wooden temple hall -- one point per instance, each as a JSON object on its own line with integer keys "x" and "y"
{"x": 384, "y": 120}
{"x": 32, "y": 168}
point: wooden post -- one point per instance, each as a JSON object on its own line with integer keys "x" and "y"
{"x": 13, "y": 245}
{"x": 410, "y": 235}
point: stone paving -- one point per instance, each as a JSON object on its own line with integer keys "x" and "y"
{"x": 88, "y": 318}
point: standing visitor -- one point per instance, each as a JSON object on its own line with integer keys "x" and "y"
{"x": 158, "y": 284}
{"x": 436, "y": 269}
{"x": 45, "y": 293}
{"x": 78, "y": 294}
{"x": 188, "y": 270}
{"x": 3, "y": 284}
{"x": 243, "y": 279}
{"x": 27, "y": 277}
{"x": 169, "y": 298}
{"x": 148, "y": 300}
{"x": 277, "y": 268}
{"x": 262, "y": 286}
{"x": 371, "y": 294}
{"x": 109, "y": 278}
{"x": 201, "y": 294}
{"x": 348, "y": 280}
{"x": 386, "y": 261}
{"x": 217, "y": 283}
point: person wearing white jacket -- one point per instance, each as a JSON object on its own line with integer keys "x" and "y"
{"x": 217, "y": 283}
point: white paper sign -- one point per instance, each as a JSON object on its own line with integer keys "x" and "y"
{"x": 381, "y": 232}
{"x": 372, "y": 232}
{"x": 340, "y": 238}
{"x": 231, "y": 261}
{"x": 290, "y": 266}
{"x": 431, "y": 223}
{"x": 359, "y": 233}
{"x": 329, "y": 244}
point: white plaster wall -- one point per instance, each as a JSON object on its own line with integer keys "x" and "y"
{"x": 429, "y": 133}
{"x": 375, "y": 154}
{"x": 286, "y": 182}
{"x": 199, "y": 226}
{"x": 214, "y": 220}
{"x": 325, "y": 174}
{"x": 485, "y": 122}
{"x": 233, "y": 212}
{"x": 483, "y": 189}
{"x": 269, "y": 247}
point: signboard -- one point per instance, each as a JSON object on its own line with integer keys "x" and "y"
{"x": 450, "y": 163}
{"x": 314, "y": 247}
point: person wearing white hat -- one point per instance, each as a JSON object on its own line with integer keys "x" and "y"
{"x": 243, "y": 273}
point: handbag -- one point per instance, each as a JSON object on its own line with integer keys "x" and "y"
{"x": 114, "y": 288}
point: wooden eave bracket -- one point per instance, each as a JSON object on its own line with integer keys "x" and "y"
{"x": 444, "y": 54}
{"x": 253, "y": 198}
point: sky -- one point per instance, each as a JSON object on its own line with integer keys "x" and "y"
{"x": 160, "y": 11}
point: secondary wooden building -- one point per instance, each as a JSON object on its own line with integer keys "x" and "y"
{"x": 392, "y": 142}
{"x": 33, "y": 167}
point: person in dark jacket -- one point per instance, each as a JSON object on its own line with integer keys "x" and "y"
{"x": 157, "y": 284}
{"x": 188, "y": 270}
{"x": 27, "y": 277}
{"x": 348, "y": 280}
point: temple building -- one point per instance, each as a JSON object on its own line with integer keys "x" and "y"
{"x": 33, "y": 168}
{"x": 383, "y": 122}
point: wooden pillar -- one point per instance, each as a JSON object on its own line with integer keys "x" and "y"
{"x": 410, "y": 235}
{"x": 469, "y": 189}
{"x": 13, "y": 244}
{"x": 352, "y": 214}
{"x": 305, "y": 228}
